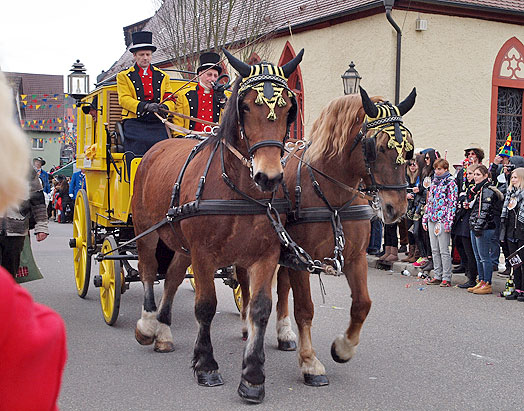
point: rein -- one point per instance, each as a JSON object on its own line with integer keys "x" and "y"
{"x": 368, "y": 160}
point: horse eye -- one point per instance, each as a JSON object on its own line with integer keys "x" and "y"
{"x": 382, "y": 149}
{"x": 245, "y": 108}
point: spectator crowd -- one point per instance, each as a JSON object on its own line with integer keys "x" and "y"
{"x": 468, "y": 216}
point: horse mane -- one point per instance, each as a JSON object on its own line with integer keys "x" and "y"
{"x": 335, "y": 126}
{"x": 229, "y": 120}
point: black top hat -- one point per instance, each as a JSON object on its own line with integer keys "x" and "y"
{"x": 209, "y": 60}
{"x": 39, "y": 159}
{"x": 142, "y": 40}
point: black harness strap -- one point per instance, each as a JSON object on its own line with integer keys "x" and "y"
{"x": 322, "y": 214}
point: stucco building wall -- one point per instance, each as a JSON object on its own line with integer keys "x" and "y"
{"x": 51, "y": 149}
{"x": 450, "y": 64}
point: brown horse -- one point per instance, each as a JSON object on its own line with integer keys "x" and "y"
{"x": 354, "y": 139}
{"x": 253, "y": 131}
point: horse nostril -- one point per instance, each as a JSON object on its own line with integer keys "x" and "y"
{"x": 390, "y": 210}
{"x": 261, "y": 179}
{"x": 268, "y": 184}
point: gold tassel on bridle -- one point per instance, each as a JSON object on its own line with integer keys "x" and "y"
{"x": 387, "y": 114}
{"x": 276, "y": 99}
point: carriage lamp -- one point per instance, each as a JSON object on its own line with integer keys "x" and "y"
{"x": 78, "y": 81}
{"x": 351, "y": 79}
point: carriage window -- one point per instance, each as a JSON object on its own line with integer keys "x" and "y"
{"x": 509, "y": 117}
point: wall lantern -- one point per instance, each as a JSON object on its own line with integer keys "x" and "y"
{"x": 351, "y": 80}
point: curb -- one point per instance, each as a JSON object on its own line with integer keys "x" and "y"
{"x": 399, "y": 266}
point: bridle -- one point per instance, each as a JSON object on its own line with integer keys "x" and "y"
{"x": 392, "y": 125}
{"x": 269, "y": 83}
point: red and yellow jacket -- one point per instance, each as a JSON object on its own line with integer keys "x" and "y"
{"x": 131, "y": 91}
{"x": 187, "y": 103}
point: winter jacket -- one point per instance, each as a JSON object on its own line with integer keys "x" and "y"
{"x": 16, "y": 220}
{"x": 33, "y": 350}
{"x": 461, "y": 220}
{"x": 486, "y": 205}
{"x": 512, "y": 221}
{"x": 78, "y": 181}
{"x": 442, "y": 201}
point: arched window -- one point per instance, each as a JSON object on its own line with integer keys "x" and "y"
{"x": 295, "y": 83}
{"x": 507, "y": 97}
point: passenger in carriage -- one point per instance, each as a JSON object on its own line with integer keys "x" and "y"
{"x": 143, "y": 90}
{"x": 204, "y": 100}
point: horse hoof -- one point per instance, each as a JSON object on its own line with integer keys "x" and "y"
{"x": 244, "y": 335}
{"x": 315, "y": 380}
{"x": 251, "y": 392}
{"x": 287, "y": 345}
{"x": 209, "y": 378}
{"x": 335, "y": 356}
{"x": 164, "y": 346}
{"x": 143, "y": 339}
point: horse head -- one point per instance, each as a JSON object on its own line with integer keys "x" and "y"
{"x": 263, "y": 108}
{"x": 387, "y": 144}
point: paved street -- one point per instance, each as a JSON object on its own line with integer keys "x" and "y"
{"x": 422, "y": 348}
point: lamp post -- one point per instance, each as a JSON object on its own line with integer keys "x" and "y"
{"x": 351, "y": 79}
{"x": 78, "y": 81}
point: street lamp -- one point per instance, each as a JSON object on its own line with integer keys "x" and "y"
{"x": 351, "y": 79}
{"x": 78, "y": 81}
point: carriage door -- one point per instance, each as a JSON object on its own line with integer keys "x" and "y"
{"x": 295, "y": 83}
{"x": 507, "y": 97}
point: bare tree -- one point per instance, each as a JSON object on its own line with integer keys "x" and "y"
{"x": 190, "y": 27}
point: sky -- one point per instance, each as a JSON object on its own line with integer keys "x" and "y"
{"x": 47, "y": 37}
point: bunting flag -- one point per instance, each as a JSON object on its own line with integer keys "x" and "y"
{"x": 59, "y": 120}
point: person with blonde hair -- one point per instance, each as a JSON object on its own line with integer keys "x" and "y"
{"x": 32, "y": 336}
{"x": 512, "y": 227}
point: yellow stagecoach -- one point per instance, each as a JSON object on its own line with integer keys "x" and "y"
{"x": 102, "y": 214}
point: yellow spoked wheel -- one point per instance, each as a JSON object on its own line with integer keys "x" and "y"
{"x": 237, "y": 295}
{"x": 81, "y": 243}
{"x": 112, "y": 279}
{"x": 189, "y": 271}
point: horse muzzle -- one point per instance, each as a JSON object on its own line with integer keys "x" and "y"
{"x": 266, "y": 183}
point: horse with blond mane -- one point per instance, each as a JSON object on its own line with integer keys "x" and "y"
{"x": 355, "y": 140}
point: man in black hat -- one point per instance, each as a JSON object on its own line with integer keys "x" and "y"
{"x": 201, "y": 100}
{"x": 38, "y": 163}
{"x": 141, "y": 91}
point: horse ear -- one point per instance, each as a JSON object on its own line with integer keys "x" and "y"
{"x": 369, "y": 107}
{"x": 408, "y": 103}
{"x": 291, "y": 66}
{"x": 243, "y": 68}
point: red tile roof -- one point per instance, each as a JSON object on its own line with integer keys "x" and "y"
{"x": 511, "y": 5}
{"x": 43, "y": 90}
{"x": 302, "y": 13}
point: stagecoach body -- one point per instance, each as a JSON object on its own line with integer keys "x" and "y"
{"x": 102, "y": 218}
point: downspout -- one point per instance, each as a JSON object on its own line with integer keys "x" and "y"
{"x": 388, "y": 4}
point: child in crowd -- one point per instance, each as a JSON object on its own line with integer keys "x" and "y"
{"x": 438, "y": 219}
